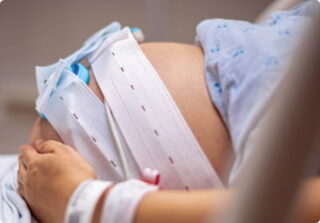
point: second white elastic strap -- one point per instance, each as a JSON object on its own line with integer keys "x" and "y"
{"x": 124, "y": 195}
{"x": 83, "y": 201}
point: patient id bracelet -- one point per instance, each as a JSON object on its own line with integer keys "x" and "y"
{"x": 125, "y": 196}
{"x": 81, "y": 205}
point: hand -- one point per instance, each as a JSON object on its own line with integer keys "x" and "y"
{"x": 48, "y": 174}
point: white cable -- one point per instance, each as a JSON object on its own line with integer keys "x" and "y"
{"x": 117, "y": 141}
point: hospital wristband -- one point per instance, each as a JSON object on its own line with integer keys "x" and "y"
{"x": 83, "y": 201}
{"x": 123, "y": 199}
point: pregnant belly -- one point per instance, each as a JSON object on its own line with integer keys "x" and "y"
{"x": 181, "y": 67}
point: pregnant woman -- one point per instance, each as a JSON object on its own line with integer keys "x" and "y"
{"x": 219, "y": 87}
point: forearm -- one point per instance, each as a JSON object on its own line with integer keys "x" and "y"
{"x": 194, "y": 206}
{"x": 175, "y": 206}
{"x": 181, "y": 206}
{"x": 307, "y": 208}
{"x": 98, "y": 210}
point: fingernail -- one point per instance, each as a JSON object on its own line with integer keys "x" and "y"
{"x": 38, "y": 142}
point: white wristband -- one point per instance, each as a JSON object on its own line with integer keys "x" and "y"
{"x": 123, "y": 199}
{"x": 83, "y": 201}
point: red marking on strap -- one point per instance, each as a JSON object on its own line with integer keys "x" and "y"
{"x": 148, "y": 182}
{"x": 74, "y": 115}
{"x": 157, "y": 180}
{"x": 113, "y": 163}
{"x": 171, "y": 160}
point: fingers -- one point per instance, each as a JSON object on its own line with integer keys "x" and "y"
{"x": 44, "y": 130}
{"x": 21, "y": 176}
{"x": 28, "y": 154}
{"x": 50, "y": 146}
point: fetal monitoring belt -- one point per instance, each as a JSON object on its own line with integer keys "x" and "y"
{"x": 155, "y": 139}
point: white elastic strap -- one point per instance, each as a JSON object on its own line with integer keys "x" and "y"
{"x": 83, "y": 201}
{"x": 124, "y": 195}
{"x": 151, "y": 123}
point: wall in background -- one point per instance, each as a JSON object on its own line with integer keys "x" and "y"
{"x": 38, "y": 32}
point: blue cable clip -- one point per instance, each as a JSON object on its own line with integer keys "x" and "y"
{"x": 81, "y": 71}
{"x": 138, "y": 34}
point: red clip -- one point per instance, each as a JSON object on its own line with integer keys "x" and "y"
{"x": 151, "y": 176}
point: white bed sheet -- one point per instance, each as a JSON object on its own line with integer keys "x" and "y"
{"x": 7, "y": 163}
{"x": 12, "y": 207}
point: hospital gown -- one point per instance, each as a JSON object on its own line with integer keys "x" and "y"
{"x": 244, "y": 64}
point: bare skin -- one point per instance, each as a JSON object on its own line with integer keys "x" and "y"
{"x": 48, "y": 161}
{"x": 180, "y": 66}
{"x": 39, "y": 194}
{"x": 50, "y": 171}
{"x": 61, "y": 169}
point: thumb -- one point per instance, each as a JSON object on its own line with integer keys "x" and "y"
{"x": 47, "y": 146}
{"x": 37, "y": 144}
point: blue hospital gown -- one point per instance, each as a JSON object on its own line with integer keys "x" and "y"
{"x": 244, "y": 64}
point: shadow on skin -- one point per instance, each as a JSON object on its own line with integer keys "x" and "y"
{"x": 181, "y": 67}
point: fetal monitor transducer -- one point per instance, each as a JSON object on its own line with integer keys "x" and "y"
{"x": 83, "y": 74}
{"x": 149, "y": 175}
